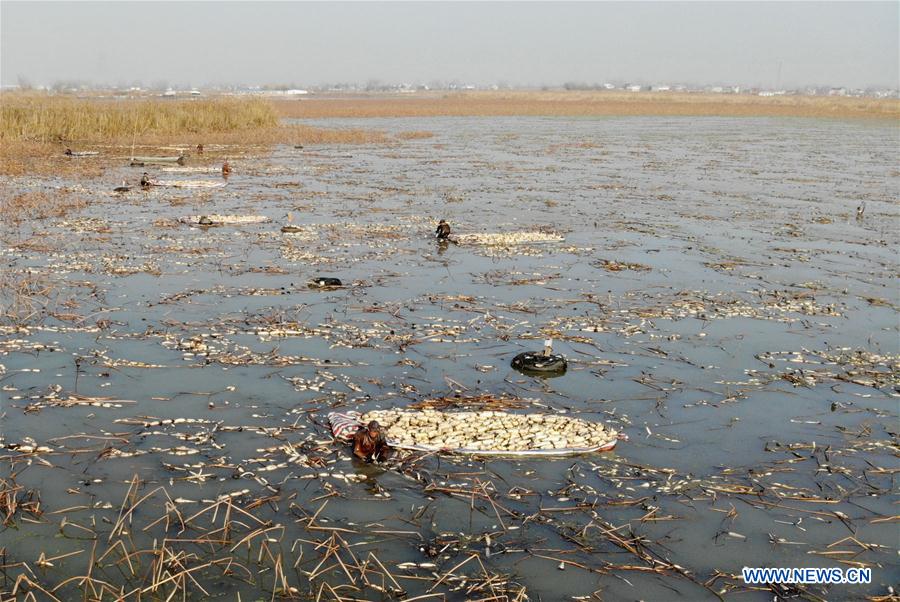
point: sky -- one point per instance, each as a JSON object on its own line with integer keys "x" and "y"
{"x": 765, "y": 44}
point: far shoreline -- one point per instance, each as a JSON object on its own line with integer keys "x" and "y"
{"x": 581, "y": 103}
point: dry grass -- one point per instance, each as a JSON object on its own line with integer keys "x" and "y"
{"x": 42, "y": 118}
{"x": 415, "y": 135}
{"x": 36, "y": 129}
{"x": 564, "y": 103}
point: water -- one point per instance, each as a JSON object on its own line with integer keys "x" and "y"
{"x": 742, "y": 245}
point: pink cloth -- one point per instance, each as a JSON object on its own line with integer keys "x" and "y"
{"x": 344, "y": 424}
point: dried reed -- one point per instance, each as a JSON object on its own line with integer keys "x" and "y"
{"x": 563, "y": 103}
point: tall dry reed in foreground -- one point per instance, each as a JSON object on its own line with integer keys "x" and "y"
{"x": 41, "y": 118}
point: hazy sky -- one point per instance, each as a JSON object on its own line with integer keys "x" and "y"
{"x": 840, "y": 43}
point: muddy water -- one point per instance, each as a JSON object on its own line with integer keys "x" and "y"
{"x": 714, "y": 293}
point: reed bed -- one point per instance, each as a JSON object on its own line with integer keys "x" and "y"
{"x": 563, "y": 103}
{"x": 42, "y": 118}
{"x": 415, "y": 135}
{"x": 36, "y": 129}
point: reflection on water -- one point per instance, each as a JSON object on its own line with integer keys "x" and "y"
{"x": 712, "y": 291}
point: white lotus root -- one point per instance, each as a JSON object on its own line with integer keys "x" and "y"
{"x": 507, "y": 239}
{"x": 489, "y": 431}
{"x": 226, "y": 219}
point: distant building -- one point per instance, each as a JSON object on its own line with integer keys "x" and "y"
{"x": 289, "y": 92}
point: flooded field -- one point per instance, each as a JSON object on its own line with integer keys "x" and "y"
{"x": 165, "y": 386}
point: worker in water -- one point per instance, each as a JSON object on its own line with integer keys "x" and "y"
{"x": 226, "y": 169}
{"x": 369, "y": 443}
{"x": 200, "y": 149}
{"x": 443, "y": 230}
{"x": 145, "y": 181}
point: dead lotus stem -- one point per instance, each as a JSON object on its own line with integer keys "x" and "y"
{"x": 133, "y": 485}
{"x": 214, "y": 506}
{"x": 226, "y": 523}
{"x": 887, "y": 519}
{"x": 181, "y": 575}
{"x": 279, "y": 576}
{"x": 119, "y": 526}
{"x": 126, "y": 555}
{"x": 337, "y": 556}
{"x": 451, "y": 571}
{"x": 31, "y": 584}
{"x": 316, "y": 571}
{"x": 250, "y": 536}
{"x": 169, "y": 508}
{"x": 386, "y": 572}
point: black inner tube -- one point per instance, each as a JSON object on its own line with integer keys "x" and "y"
{"x": 531, "y": 361}
{"x": 325, "y": 282}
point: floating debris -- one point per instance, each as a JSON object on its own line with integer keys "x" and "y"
{"x": 857, "y": 366}
{"x": 508, "y": 239}
{"x": 141, "y": 161}
{"x": 325, "y": 282}
{"x": 80, "y": 154}
{"x": 188, "y": 183}
{"x": 191, "y": 169}
{"x": 229, "y": 220}
{"x": 618, "y": 266}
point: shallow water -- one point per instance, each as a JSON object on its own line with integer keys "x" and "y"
{"x": 737, "y": 242}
